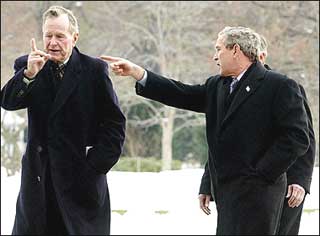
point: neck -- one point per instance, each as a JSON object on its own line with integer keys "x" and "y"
{"x": 242, "y": 67}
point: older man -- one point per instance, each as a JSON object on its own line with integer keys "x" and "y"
{"x": 76, "y": 133}
{"x": 299, "y": 175}
{"x": 256, "y": 128}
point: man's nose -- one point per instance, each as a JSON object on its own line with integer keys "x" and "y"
{"x": 215, "y": 58}
{"x": 53, "y": 41}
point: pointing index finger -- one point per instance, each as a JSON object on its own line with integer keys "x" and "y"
{"x": 109, "y": 58}
{"x": 33, "y": 45}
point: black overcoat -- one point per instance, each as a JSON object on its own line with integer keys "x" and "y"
{"x": 84, "y": 113}
{"x": 251, "y": 145}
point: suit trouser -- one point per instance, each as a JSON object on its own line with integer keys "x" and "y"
{"x": 55, "y": 224}
{"x": 290, "y": 219}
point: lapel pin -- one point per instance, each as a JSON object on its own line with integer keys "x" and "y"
{"x": 248, "y": 88}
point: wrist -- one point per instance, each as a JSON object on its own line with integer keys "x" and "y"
{"x": 28, "y": 75}
{"x": 138, "y": 73}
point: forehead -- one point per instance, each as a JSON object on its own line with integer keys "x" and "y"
{"x": 60, "y": 23}
{"x": 219, "y": 42}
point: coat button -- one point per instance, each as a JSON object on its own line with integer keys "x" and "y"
{"x": 39, "y": 178}
{"x": 39, "y": 148}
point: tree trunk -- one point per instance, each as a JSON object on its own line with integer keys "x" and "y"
{"x": 167, "y": 135}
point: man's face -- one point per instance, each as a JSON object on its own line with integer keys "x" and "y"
{"x": 224, "y": 58}
{"x": 58, "y": 40}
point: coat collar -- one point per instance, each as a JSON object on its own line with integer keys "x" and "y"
{"x": 70, "y": 81}
{"x": 254, "y": 77}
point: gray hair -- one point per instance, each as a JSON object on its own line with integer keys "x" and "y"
{"x": 246, "y": 38}
{"x": 263, "y": 45}
{"x": 56, "y": 11}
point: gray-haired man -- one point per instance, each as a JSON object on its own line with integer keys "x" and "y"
{"x": 299, "y": 174}
{"x": 256, "y": 128}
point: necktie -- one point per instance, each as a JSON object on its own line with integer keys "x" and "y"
{"x": 233, "y": 84}
{"x": 58, "y": 71}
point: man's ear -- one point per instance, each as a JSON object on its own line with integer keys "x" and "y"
{"x": 75, "y": 37}
{"x": 236, "y": 49}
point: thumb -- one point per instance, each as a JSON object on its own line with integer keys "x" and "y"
{"x": 289, "y": 191}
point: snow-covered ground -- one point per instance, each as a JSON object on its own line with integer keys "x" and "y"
{"x": 157, "y": 203}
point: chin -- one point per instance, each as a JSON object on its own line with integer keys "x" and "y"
{"x": 56, "y": 59}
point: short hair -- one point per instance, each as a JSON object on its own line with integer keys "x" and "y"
{"x": 246, "y": 38}
{"x": 56, "y": 11}
{"x": 263, "y": 45}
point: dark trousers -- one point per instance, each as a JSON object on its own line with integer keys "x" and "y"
{"x": 55, "y": 224}
{"x": 290, "y": 219}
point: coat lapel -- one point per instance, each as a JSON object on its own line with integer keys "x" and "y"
{"x": 221, "y": 98}
{"x": 248, "y": 87}
{"x": 69, "y": 83}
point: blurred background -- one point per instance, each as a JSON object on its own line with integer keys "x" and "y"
{"x": 172, "y": 38}
{"x": 175, "y": 39}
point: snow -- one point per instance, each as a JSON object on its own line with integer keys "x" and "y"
{"x": 144, "y": 196}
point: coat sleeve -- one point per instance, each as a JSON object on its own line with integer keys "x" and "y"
{"x": 205, "y": 185}
{"x": 301, "y": 171}
{"x": 173, "y": 93}
{"x": 15, "y": 93}
{"x": 291, "y": 138}
{"x": 111, "y": 125}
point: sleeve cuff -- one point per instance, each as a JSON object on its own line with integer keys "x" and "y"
{"x": 27, "y": 81}
{"x": 143, "y": 81}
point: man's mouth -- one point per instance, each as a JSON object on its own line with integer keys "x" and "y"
{"x": 54, "y": 50}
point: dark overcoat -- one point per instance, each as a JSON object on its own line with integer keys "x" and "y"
{"x": 251, "y": 144}
{"x": 84, "y": 113}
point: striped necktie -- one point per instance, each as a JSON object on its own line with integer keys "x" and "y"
{"x": 233, "y": 84}
{"x": 58, "y": 70}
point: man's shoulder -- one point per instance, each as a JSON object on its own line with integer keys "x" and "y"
{"x": 213, "y": 79}
{"x": 92, "y": 62}
{"x": 21, "y": 60}
{"x": 280, "y": 80}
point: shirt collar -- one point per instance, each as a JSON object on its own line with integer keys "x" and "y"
{"x": 65, "y": 62}
{"x": 241, "y": 74}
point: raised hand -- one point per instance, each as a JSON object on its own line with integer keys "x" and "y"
{"x": 124, "y": 67}
{"x": 36, "y": 60}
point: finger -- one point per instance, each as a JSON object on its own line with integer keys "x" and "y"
{"x": 121, "y": 63}
{"x": 289, "y": 191}
{"x": 294, "y": 197}
{"x": 206, "y": 211}
{"x": 299, "y": 199}
{"x": 38, "y": 60}
{"x": 113, "y": 66}
{"x": 207, "y": 201}
{"x": 118, "y": 72}
{"x": 40, "y": 53}
{"x": 109, "y": 58}
{"x": 33, "y": 45}
{"x": 296, "y": 202}
{"x": 291, "y": 199}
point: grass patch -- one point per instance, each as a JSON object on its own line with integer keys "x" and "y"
{"x": 161, "y": 212}
{"x": 121, "y": 212}
{"x": 143, "y": 164}
{"x": 310, "y": 210}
